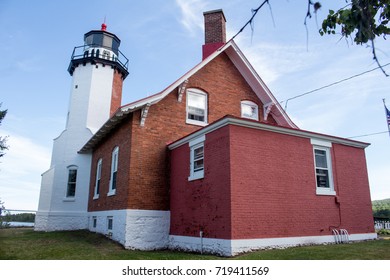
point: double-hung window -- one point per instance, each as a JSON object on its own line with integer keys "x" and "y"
{"x": 249, "y": 110}
{"x": 323, "y": 168}
{"x": 72, "y": 179}
{"x": 98, "y": 179}
{"x": 196, "y": 107}
{"x": 114, "y": 171}
{"x": 196, "y": 158}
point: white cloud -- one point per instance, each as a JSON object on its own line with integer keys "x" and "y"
{"x": 20, "y": 172}
{"x": 273, "y": 61}
{"x": 192, "y": 11}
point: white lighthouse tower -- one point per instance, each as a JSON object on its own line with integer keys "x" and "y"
{"x": 98, "y": 69}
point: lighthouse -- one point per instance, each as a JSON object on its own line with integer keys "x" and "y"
{"x": 98, "y": 69}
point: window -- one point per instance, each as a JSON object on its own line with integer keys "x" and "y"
{"x": 98, "y": 179}
{"x": 114, "y": 171}
{"x": 323, "y": 170}
{"x": 110, "y": 223}
{"x": 72, "y": 178}
{"x": 94, "y": 221}
{"x": 196, "y": 107}
{"x": 249, "y": 110}
{"x": 197, "y": 159}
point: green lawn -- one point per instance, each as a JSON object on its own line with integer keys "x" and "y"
{"x": 25, "y": 244}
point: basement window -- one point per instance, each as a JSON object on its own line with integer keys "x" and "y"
{"x": 197, "y": 159}
{"x": 110, "y": 220}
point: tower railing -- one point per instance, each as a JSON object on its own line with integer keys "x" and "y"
{"x": 82, "y": 52}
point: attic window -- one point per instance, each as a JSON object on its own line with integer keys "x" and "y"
{"x": 196, "y": 107}
{"x": 249, "y": 110}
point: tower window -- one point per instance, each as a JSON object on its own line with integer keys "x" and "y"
{"x": 72, "y": 178}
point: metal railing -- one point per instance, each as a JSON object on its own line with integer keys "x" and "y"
{"x": 97, "y": 51}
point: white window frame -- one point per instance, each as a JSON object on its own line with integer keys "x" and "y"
{"x": 67, "y": 196}
{"x": 114, "y": 171}
{"x": 194, "y": 145}
{"x": 196, "y": 92}
{"x": 110, "y": 219}
{"x": 247, "y": 103}
{"x": 323, "y": 146}
{"x": 98, "y": 179}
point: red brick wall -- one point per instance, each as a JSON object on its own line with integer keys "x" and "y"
{"x": 274, "y": 188}
{"x": 271, "y": 190}
{"x": 121, "y": 137}
{"x": 353, "y": 190}
{"x": 116, "y": 96}
{"x": 147, "y": 163}
{"x": 202, "y": 204}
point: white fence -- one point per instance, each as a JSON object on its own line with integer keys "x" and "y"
{"x": 382, "y": 225}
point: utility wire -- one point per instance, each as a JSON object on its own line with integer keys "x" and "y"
{"x": 329, "y": 85}
{"x": 368, "y": 134}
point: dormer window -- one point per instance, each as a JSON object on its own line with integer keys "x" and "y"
{"x": 196, "y": 107}
{"x": 249, "y": 110}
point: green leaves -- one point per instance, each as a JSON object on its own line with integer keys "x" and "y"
{"x": 361, "y": 20}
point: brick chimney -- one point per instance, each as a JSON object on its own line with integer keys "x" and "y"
{"x": 215, "y": 32}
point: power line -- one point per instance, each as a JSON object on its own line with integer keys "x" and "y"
{"x": 332, "y": 84}
{"x": 368, "y": 134}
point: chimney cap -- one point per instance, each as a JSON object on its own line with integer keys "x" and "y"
{"x": 215, "y": 12}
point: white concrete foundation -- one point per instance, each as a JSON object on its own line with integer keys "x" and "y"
{"x": 134, "y": 229}
{"x": 225, "y": 247}
{"x": 54, "y": 221}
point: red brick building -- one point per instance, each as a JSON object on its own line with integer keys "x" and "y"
{"x": 263, "y": 185}
{"x": 241, "y": 176}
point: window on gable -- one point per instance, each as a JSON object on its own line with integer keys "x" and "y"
{"x": 323, "y": 170}
{"x": 72, "y": 179}
{"x": 98, "y": 179}
{"x": 196, "y": 158}
{"x": 249, "y": 110}
{"x": 114, "y": 171}
{"x": 196, "y": 107}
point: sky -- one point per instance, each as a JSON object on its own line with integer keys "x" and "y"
{"x": 163, "y": 40}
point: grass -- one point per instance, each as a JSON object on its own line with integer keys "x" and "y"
{"x": 25, "y": 244}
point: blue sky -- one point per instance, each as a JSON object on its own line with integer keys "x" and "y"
{"x": 163, "y": 39}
